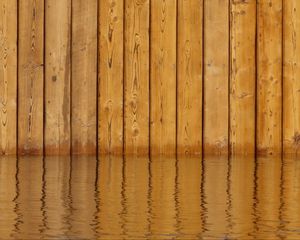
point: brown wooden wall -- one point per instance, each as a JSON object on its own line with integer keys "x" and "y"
{"x": 149, "y": 76}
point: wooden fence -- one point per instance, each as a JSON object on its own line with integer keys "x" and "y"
{"x": 158, "y": 76}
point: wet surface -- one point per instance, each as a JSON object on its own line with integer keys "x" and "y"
{"x": 161, "y": 198}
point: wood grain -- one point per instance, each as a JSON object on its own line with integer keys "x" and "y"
{"x": 30, "y": 77}
{"x": 216, "y": 76}
{"x": 57, "y": 77}
{"x": 84, "y": 76}
{"x": 242, "y": 76}
{"x": 269, "y": 79}
{"x": 189, "y": 77}
{"x": 140, "y": 76}
{"x": 163, "y": 77}
{"x": 136, "y": 85}
{"x": 110, "y": 111}
{"x": 8, "y": 77}
{"x": 291, "y": 77}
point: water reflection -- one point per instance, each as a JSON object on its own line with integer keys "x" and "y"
{"x": 160, "y": 198}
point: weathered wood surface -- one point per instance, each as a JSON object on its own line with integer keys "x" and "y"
{"x": 163, "y": 77}
{"x": 269, "y": 77}
{"x": 216, "y": 76}
{"x": 189, "y": 77}
{"x": 84, "y": 77}
{"x": 291, "y": 77}
{"x": 57, "y": 77}
{"x": 8, "y": 77}
{"x": 242, "y": 76}
{"x": 136, "y": 82}
{"x": 142, "y": 76}
{"x": 110, "y": 110}
{"x": 30, "y": 76}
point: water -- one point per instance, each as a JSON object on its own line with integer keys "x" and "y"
{"x": 161, "y": 198}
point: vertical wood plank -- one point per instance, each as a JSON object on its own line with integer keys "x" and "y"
{"x": 189, "y": 89}
{"x": 136, "y": 85}
{"x": 57, "y": 77}
{"x": 242, "y": 76}
{"x": 216, "y": 66}
{"x": 269, "y": 85}
{"x": 291, "y": 78}
{"x": 163, "y": 77}
{"x": 84, "y": 76}
{"x": 30, "y": 82}
{"x": 8, "y": 76}
{"x": 110, "y": 116}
